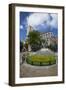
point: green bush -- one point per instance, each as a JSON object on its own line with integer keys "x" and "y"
{"x": 34, "y": 39}
{"x": 41, "y": 60}
{"x": 53, "y": 47}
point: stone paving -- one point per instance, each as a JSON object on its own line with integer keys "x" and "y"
{"x": 27, "y": 70}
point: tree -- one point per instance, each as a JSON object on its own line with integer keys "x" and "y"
{"x": 53, "y": 47}
{"x": 34, "y": 39}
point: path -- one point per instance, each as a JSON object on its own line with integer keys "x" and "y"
{"x": 35, "y": 71}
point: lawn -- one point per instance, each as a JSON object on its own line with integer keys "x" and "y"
{"x": 41, "y": 60}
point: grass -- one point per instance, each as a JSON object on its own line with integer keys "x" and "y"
{"x": 41, "y": 60}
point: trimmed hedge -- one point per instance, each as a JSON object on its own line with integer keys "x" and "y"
{"x": 41, "y": 60}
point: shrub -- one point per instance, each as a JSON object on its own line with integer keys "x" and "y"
{"x": 41, "y": 60}
{"x": 53, "y": 47}
{"x": 35, "y": 47}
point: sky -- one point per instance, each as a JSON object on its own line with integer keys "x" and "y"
{"x": 40, "y": 21}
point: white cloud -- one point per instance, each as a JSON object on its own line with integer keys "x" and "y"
{"x": 54, "y": 22}
{"x": 36, "y": 19}
{"x": 21, "y": 26}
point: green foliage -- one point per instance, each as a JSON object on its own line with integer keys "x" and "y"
{"x": 34, "y": 36}
{"x": 41, "y": 60}
{"x": 34, "y": 39}
{"x": 53, "y": 47}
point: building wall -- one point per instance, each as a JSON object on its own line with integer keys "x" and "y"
{"x": 49, "y": 37}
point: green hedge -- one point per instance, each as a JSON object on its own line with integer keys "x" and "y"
{"x": 41, "y": 60}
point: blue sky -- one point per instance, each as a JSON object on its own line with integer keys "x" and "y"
{"x": 42, "y": 22}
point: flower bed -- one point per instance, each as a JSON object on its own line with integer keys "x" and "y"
{"x": 41, "y": 60}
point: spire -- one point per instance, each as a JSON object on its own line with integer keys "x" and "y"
{"x": 29, "y": 29}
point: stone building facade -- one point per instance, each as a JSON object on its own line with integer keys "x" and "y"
{"x": 47, "y": 36}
